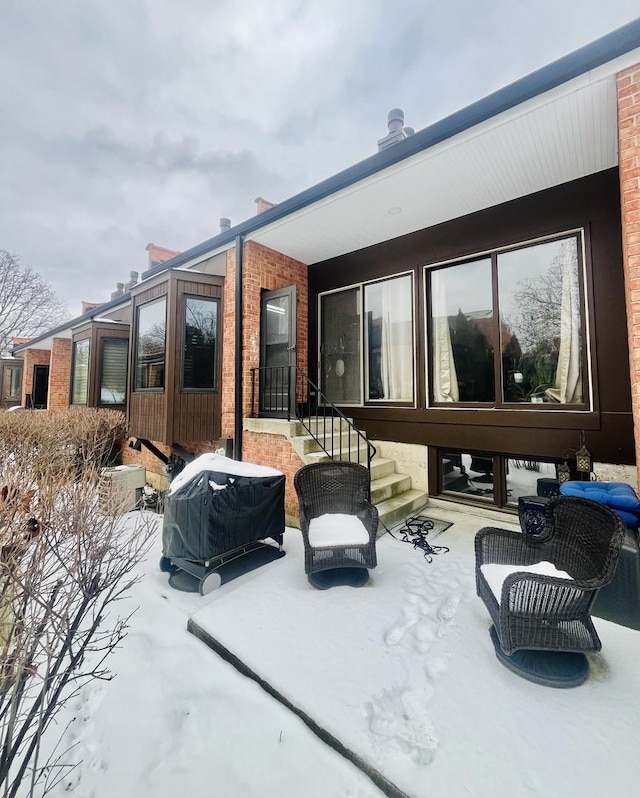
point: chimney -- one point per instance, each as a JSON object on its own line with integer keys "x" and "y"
{"x": 119, "y": 291}
{"x": 225, "y": 224}
{"x": 133, "y": 280}
{"x": 158, "y": 255}
{"x": 263, "y": 205}
{"x": 397, "y": 131}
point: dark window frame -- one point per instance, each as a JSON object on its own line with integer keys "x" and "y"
{"x": 135, "y": 361}
{"x": 217, "y": 349}
{"x": 580, "y": 235}
{"x": 364, "y": 373}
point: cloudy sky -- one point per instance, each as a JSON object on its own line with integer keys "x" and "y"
{"x": 129, "y": 121}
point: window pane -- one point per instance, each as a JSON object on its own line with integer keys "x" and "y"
{"x": 113, "y": 371}
{"x": 462, "y": 336}
{"x": 12, "y": 382}
{"x": 150, "y": 345}
{"x": 468, "y": 474}
{"x": 80, "y": 373}
{"x": 389, "y": 314}
{"x": 200, "y": 340}
{"x": 340, "y": 356}
{"x": 523, "y": 476}
{"x": 541, "y": 324}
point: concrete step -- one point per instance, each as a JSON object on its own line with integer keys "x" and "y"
{"x": 381, "y": 467}
{"x": 319, "y": 456}
{"x": 393, "y": 510}
{"x": 388, "y": 486}
{"x": 337, "y": 442}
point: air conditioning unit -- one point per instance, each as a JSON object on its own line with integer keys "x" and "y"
{"x": 121, "y": 488}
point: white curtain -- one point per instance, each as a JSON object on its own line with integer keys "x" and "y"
{"x": 396, "y": 342}
{"x": 445, "y": 378}
{"x": 567, "y": 388}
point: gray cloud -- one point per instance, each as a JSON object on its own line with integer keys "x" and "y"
{"x": 146, "y": 120}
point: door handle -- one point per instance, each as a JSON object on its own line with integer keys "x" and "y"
{"x": 291, "y": 348}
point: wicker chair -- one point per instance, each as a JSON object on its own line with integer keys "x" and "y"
{"x": 329, "y": 488}
{"x": 550, "y": 611}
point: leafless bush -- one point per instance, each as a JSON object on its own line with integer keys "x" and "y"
{"x": 63, "y": 563}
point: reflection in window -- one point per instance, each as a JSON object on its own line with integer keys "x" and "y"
{"x": 200, "y": 341}
{"x": 12, "y": 383}
{"x": 462, "y": 334}
{"x": 541, "y": 329}
{"x": 79, "y": 380}
{"x": 523, "y": 476}
{"x": 113, "y": 371}
{"x": 150, "y": 345}
{"x": 468, "y": 474}
{"x": 388, "y": 310}
{"x": 341, "y": 356}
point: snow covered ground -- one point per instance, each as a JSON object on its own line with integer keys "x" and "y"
{"x": 401, "y": 671}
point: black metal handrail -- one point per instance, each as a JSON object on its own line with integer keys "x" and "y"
{"x": 287, "y": 392}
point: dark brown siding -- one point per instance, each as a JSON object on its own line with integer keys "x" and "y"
{"x": 591, "y": 203}
{"x": 147, "y": 410}
{"x": 196, "y": 414}
{"x": 175, "y": 415}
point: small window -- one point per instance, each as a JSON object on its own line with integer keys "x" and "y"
{"x": 113, "y": 371}
{"x": 150, "y": 345}
{"x": 200, "y": 352}
{"x": 11, "y": 388}
{"x": 80, "y": 379}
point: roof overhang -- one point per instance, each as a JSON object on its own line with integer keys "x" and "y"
{"x": 561, "y": 135}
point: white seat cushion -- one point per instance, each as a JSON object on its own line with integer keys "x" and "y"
{"x": 495, "y": 574}
{"x": 337, "y": 529}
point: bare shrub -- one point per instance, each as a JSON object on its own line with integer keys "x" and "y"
{"x": 63, "y": 564}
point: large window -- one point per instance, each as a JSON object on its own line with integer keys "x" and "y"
{"x": 12, "y": 384}
{"x": 80, "y": 377}
{"x": 200, "y": 344}
{"x": 367, "y": 342}
{"x": 509, "y": 327}
{"x": 113, "y": 371}
{"x": 150, "y": 345}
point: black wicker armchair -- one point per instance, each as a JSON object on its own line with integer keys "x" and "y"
{"x": 338, "y": 522}
{"x": 539, "y": 588}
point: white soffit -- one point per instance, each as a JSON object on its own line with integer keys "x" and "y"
{"x": 560, "y": 136}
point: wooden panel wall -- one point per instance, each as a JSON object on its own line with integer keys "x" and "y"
{"x": 196, "y": 414}
{"x": 147, "y": 410}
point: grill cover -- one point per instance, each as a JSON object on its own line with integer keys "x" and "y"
{"x": 217, "y": 505}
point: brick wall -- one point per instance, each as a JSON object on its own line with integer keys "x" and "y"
{"x": 629, "y": 166}
{"x": 59, "y": 374}
{"x": 32, "y": 357}
{"x": 275, "y": 451}
{"x": 263, "y": 268}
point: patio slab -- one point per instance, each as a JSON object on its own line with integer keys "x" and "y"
{"x": 401, "y": 676}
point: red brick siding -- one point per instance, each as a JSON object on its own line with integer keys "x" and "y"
{"x": 275, "y": 451}
{"x": 629, "y": 168}
{"x": 32, "y": 357}
{"x": 59, "y": 374}
{"x": 263, "y": 268}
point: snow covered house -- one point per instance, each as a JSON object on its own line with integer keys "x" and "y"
{"x": 469, "y": 296}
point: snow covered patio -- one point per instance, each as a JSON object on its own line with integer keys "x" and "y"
{"x": 403, "y": 674}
